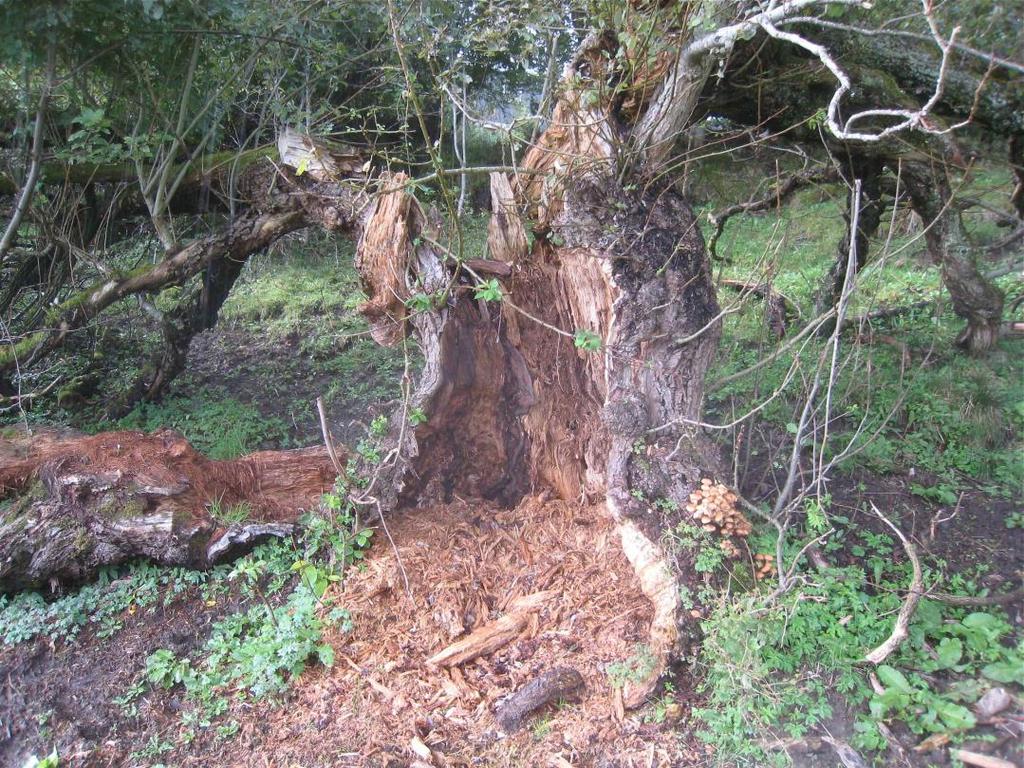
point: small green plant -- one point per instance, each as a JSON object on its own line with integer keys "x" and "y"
{"x": 586, "y": 340}
{"x": 261, "y": 650}
{"x": 165, "y": 670}
{"x": 233, "y": 515}
{"x": 154, "y": 748}
{"x": 489, "y": 291}
{"x": 1014, "y": 520}
{"x": 632, "y": 670}
{"x": 663, "y": 704}
{"x": 368, "y": 451}
{"x": 379, "y": 426}
{"x": 686, "y": 536}
{"x": 940, "y": 493}
{"x": 542, "y": 727}
{"x": 50, "y": 761}
{"x": 417, "y": 416}
{"x": 127, "y": 700}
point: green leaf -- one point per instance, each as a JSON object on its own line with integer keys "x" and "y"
{"x": 303, "y": 166}
{"x": 326, "y": 655}
{"x": 893, "y": 678}
{"x": 978, "y": 620}
{"x": 949, "y": 651}
{"x": 954, "y": 715}
{"x": 489, "y": 291}
{"x": 1005, "y": 672}
{"x": 588, "y": 341}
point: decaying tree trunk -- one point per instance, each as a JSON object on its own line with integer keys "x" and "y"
{"x": 585, "y": 381}
{"x": 79, "y": 503}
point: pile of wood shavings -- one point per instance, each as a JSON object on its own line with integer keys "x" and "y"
{"x": 382, "y": 703}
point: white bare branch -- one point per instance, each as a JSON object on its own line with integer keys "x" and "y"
{"x": 906, "y": 119}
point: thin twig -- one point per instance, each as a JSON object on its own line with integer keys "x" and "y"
{"x": 328, "y": 442}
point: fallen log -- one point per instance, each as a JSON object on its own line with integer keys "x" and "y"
{"x": 71, "y": 504}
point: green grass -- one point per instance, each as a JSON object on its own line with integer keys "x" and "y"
{"x": 959, "y": 419}
{"x": 216, "y": 424}
{"x": 306, "y": 289}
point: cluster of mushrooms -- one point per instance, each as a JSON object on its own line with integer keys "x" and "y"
{"x": 714, "y": 507}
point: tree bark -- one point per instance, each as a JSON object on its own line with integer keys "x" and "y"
{"x": 80, "y": 503}
{"x": 975, "y": 298}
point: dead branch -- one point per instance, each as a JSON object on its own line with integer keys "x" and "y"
{"x": 904, "y": 119}
{"x": 886, "y": 313}
{"x": 493, "y": 635}
{"x": 551, "y": 686}
{"x": 899, "y": 631}
{"x": 328, "y": 442}
{"x": 982, "y": 761}
{"x": 968, "y": 601}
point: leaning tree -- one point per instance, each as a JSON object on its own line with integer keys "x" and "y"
{"x": 570, "y": 362}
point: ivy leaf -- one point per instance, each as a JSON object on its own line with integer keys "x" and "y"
{"x": 303, "y": 166}
{"x": 1004, "y": 672}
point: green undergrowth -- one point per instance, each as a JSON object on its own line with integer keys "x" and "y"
{"x": 103, "y": 605}
{"x": 215, "y": 423}
{"x": 276, "y": 628}
{"x": 909, "y": 405}
{"x": 258, "y": 652}
{"x": 783, "y": 667}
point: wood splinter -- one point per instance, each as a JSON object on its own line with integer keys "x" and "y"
{"x": 493, "y": 635}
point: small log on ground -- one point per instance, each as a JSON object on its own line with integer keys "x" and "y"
{"x": 555, "y": 684}
{"x": 75, "y": 503}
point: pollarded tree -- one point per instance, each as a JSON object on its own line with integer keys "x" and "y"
{"x": 574, "y": 364}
